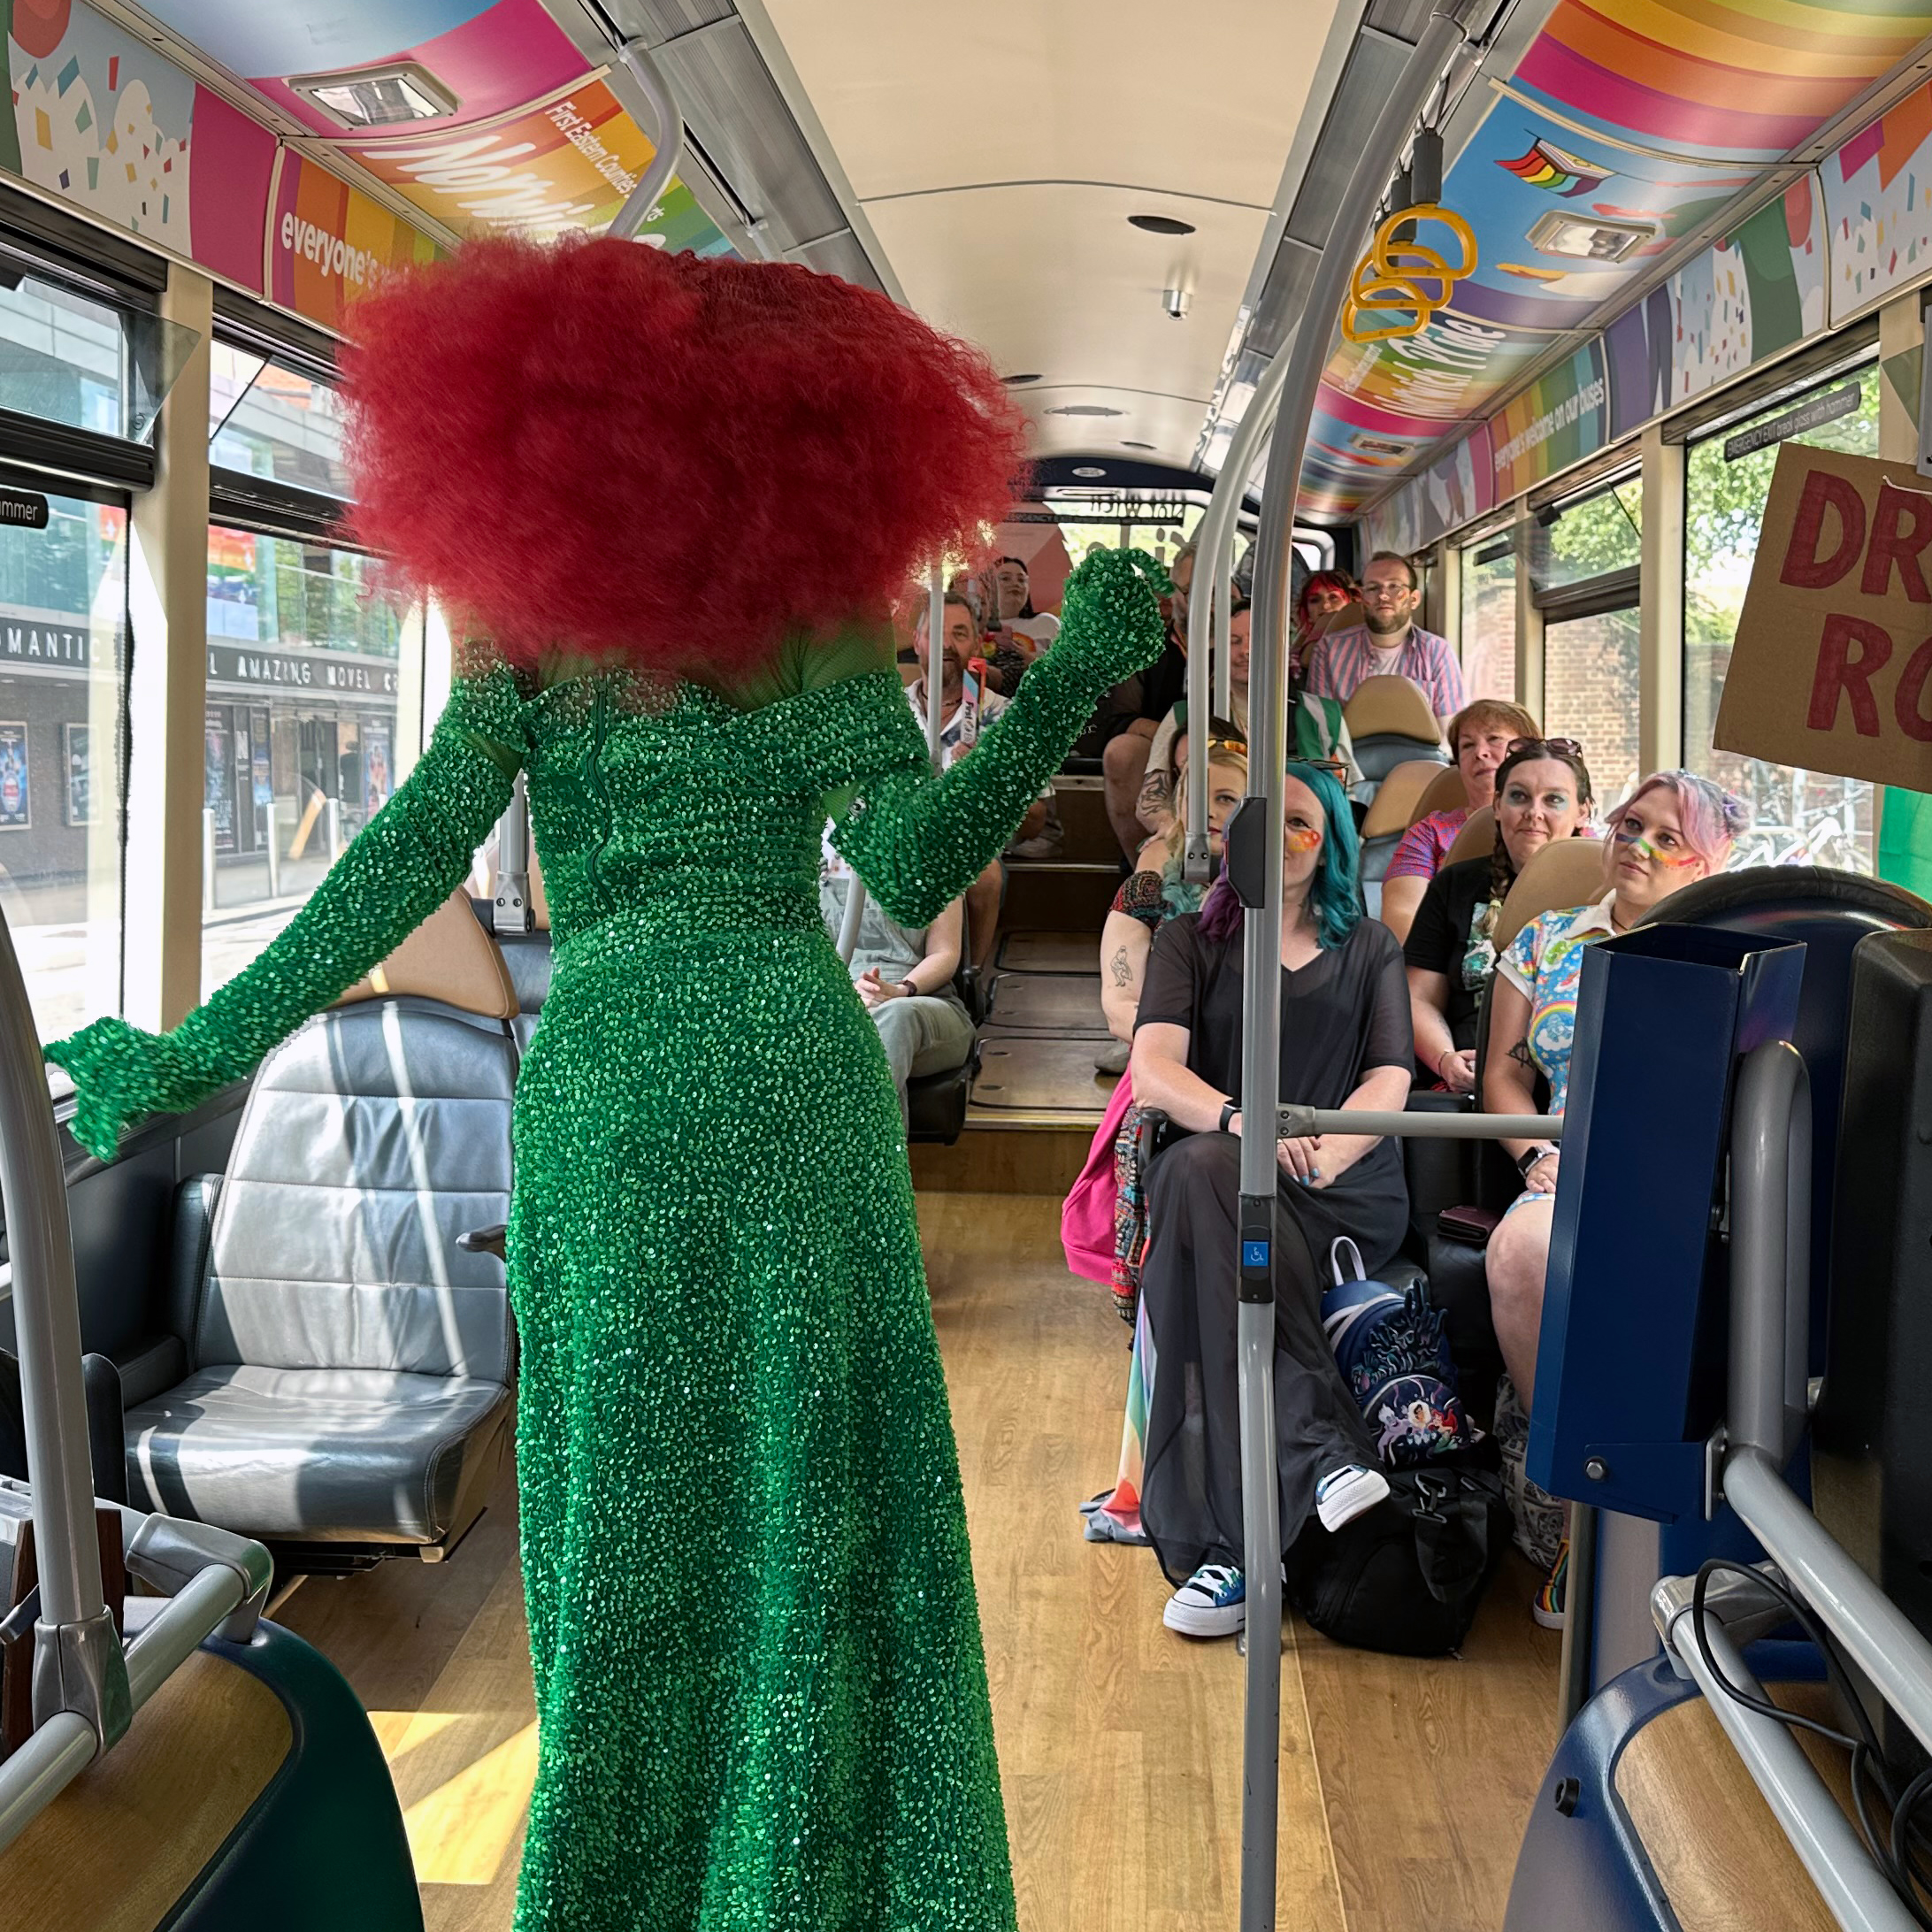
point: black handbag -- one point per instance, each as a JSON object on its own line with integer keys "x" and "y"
{"x": 1407, "y": 1576}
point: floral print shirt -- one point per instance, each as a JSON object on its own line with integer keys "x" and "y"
{"x": 1545, "y": 962}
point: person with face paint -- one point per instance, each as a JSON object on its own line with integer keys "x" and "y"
{"x": 1673, "y": 828}
{"x": 1345, "y": 1042}
{"x": 1543, "y": 792}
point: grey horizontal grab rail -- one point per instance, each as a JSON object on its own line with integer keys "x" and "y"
{"x": 1293, "y": 1123}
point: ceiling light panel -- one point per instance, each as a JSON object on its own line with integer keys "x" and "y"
{"x": 394, "y": 94}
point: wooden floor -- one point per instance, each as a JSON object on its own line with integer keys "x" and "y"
{"x": 1405, "y": 1784}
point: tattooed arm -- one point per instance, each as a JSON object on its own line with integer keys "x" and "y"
{"x": 1124, "y": 945}
{"x": 1509, "y": 1075}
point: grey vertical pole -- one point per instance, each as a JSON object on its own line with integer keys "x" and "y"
{"x": 936, "y": 657}
{"x": 511, "y": 911}
{"x": 1223, "y": 619}
{"x": 77, "y": 1656}
{"x": 1214, "y": 542}
{"x": 1261, "y": 1042}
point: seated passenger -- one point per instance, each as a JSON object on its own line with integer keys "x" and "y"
{"x": 1020, "y": 633}
{"x": 905, "y": 976}
{"x": 1479, "y": 736}
{"x": 1324, "y": 593}
{"x": 1134, "y": 711}
{"x": 1542, "y": 792}
{"x": 1676, "y": 828}
{"x": 1159, "y": 890}
{"x": 1345, "y": 1042}
{"x": 959, "y": 730}
{"x": 1388, "y": 643}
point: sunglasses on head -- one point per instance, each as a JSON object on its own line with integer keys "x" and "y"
{"x": 1562, "y": 748}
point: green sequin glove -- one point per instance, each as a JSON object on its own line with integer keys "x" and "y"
{"x": 919, "y": 839}
{"x": 409, "y": 858}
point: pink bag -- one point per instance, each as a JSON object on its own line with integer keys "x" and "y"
{"x": 1086, "y": 1218}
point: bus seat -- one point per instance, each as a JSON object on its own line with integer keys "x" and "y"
{"x": 347, "y": 1367}
{"x": 1389, "y": 722}
{"x": 1393, "y": 809}
{"x": 1345, "y": 619}
{"x": 1476, "y": 840}
{"x": 1446, "y": 792}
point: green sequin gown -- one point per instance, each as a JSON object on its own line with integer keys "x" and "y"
{"x": 761, "y": 1691}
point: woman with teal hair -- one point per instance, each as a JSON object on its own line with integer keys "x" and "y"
{"x": 1345, "y": 1042}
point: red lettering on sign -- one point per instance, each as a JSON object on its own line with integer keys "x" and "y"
{"x": 1839, "y": 672}
{"x": 1901, "y": 527}
{"x": 1908, "y": 698}
{"x": 1803, "y": 566}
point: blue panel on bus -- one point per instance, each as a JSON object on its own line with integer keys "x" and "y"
{"x": 1254, "y": 1255}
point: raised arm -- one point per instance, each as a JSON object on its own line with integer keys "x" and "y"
{"x": 918, "y": 838}
{"x": 404, "y": 864}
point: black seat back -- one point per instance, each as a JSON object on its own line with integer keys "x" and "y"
{"x": 1830, "y": 912}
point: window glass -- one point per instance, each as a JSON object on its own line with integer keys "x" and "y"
{"x": 1488, "y": 619}
{"x": 1600, "y": 534}
{"x": 1590, "y": 693}
{"x": 61, "y": 357}
{"x": 268, "y": 421}
{"x": 300, "y": 749}
{"x": 1800, "y": 817}
{"x": 63, "y": 618}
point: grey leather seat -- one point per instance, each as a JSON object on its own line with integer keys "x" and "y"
{"x": 348, "y": 1367}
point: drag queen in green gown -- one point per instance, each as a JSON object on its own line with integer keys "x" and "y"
{"x": 759, "y": 1679}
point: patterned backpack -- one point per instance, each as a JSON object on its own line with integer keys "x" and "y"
{"x": 1394, "y": 1352}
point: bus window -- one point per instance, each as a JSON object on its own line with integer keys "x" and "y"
{"x": 267, "y": 420}
{"x": 1488, "y": 619}
{"x": 1800, "y": 817}
{"x": 64, "y": 357}
{"x": 63, "y": 615}
{"x": 1584, "y": 573}
{"x": 303, "y": 668}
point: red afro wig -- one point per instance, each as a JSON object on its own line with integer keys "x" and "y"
{"x": 668, "y": 460}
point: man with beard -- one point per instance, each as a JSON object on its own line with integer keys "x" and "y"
{"x": 1390, "y": 644}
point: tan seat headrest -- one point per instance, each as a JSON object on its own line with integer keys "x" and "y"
{"x": 1476, "y": 840}
{"x": 449, "y": 958}
{"x": 1397, "y": 804}
{"x": 1566, "y": 872}
{"x": 1345, "y": 618}
{"x": 1446, "y": 792}
{"x": 1395, "y": 706}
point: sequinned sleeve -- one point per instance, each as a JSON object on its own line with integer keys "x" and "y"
{"x": 919, "y": 840}
{"x": 409, "y": 858}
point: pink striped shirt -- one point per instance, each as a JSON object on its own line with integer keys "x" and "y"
{"x": 1342, "y": 659}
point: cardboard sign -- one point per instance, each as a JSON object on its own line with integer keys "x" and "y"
{"x": 1831, "y": 670}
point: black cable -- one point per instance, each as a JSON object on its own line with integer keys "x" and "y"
{"x": 1892, "y": 1851}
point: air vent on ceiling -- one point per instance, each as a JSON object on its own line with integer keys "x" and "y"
{"x": 1137, "y": 446}
{"x": 390, "y": 95}
{"x": 1088, "y": 470}
{"x": 1014, "y": 382}
{"x": 1084, "y": 409}
{"x": 1159, "y": 225}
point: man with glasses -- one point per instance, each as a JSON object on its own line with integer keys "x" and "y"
{"x": 1388, "y": 644}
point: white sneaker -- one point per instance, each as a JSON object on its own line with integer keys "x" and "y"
{"x": 1345, "y": 1493}
{"x": 1213, "y": 1602}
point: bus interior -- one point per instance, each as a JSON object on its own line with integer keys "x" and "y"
{"x": 275, "y": 1358}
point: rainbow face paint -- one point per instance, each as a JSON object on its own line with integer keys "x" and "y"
{"x": 1639, "y": 846}
{"x": 1301, "y": 839}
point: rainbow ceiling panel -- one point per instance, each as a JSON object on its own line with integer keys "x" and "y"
{"x": 1628, "y": 124}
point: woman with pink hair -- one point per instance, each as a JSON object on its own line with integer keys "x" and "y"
{"x": 1675, "y": 828}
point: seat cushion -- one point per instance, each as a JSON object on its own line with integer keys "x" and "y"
{"x": 325, "y": 1456}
